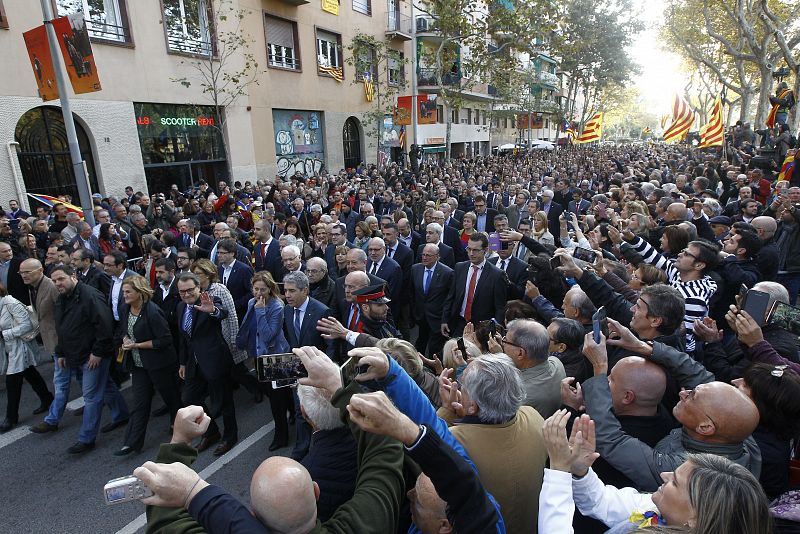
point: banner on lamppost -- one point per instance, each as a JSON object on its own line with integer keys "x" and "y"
{"x": 73, "y": 39}
{"x": 426, "y": 109}
{"x": 402, "y": 113}
{"x": 41, "y": 62}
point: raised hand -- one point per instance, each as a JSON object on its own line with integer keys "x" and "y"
{"x": 206, "y": 303}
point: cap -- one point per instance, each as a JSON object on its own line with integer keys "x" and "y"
{"x": 371, "y": 294}
{"x": 721, "y": 219}
{"x": 97, "y": 195}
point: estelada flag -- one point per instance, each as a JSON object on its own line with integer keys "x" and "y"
{"x": 73, "y": 39}
{"x": 713, "y": 133}
{"x": 42, "y": 62}
{"x": 787, "y": 169}
{"x": 682, "y": 121}
{"x": 593, "y": 130}
{"x": 49, "y": 201}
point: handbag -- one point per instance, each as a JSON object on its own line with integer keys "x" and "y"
{"x": 125, "y": 360}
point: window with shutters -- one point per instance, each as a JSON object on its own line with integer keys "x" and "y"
{"x": 365, "y": 61}
{"x": 329, "y": 50}
{"x": 282, "y": 51}
{"x": 188, "y": 25}
{"x": 106, "y": 20}
{"x": 440, "y": 114}
{"x": 395, "y": 66}
{"x": 363, "y": 6}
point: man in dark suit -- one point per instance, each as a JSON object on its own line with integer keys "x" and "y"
{"x": 494, "y": 198}
{"x": 338, "y": 238}
{"x": 407, "y": 235}
{"x": 115, "y": 266}
{"x": 516, "y": 271}
{"x": 356, "y": 262}
{"x": 450, "y": 236}
{"x": 235, "y": 275}
{"x": 86, "y": 240}
{"x": 553, "y": 211}
{"x": 578, "y": 205}
{"x": 267, "y": 251}
{"x": 83, "y": 263}
{"x": 380, "y": 265}
{"x": 300, "y": 316}
{"x": 449, "y": 217}
{"x": 478, "y": 292}
{"x": 206, "y": 362}
{"x": 191, "y": 236}
{"x": 433, "y": 234}
{"x": 166, "y": 296}
{"x": 431, "y": 281}
{"x": 485, "y": 222}
{"x": 300, "y": 212}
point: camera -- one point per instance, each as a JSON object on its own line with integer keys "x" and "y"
{"x": 282, "y": 369}
{"x": 124, "y": 489}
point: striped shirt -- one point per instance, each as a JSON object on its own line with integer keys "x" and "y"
{"x": 696, "y": 293}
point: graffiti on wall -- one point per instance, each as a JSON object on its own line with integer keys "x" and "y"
{"x": 289, "y": 166}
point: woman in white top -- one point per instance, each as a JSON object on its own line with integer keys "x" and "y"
{"x": 707, "y": 494}
{"x": 540, "y": 231}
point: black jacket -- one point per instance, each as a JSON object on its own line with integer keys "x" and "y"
{"x": 325, "y": 291}
{"x": 204, "y": 346}
{"x": 84, "y": 325}
{"x": 151, "y": 325}
{"x": 97, "y": 279}
{"x": 733, "y": 274}
{"x": 332, "y": 463}
{"x": 768, "y": 259}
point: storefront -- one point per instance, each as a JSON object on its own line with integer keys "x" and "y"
{"x": 300, "y": 141}
{"x": 181, "y": 144}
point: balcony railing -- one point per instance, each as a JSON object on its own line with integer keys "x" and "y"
{"x": 398, "y": 23}
{"x": 185, "y": 45}
{"x": 547, "y": 78}
{"x": 108, "y": 32}
{"x": 427, "y": 77}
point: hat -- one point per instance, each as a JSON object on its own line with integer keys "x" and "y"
{"x": 721, "y": 219}
{"x": 371, "y": 294}
{"x": 711, "y": 193}
{"x": 97, "y": 195}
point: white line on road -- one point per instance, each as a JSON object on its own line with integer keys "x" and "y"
{"x": 141, "y": 521}
{"x": 18, "y": 433}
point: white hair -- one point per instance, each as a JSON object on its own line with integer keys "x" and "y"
{"x": 495, "y": 385}
{"x": 318, "y": 408}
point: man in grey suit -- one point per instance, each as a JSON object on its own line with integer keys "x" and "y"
{"x": 431, "y": 281}
{"x": 85, "y": 239}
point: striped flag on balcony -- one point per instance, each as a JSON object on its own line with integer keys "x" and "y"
{"x": 713, "y": 133}
{"x": 369, "y": 87}
{"x": 682, "y": 121}
{"x": 334, "y": 72}
{"x": 593, "y": 130}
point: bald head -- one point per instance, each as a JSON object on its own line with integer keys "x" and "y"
{"x": 283, "y": 496}
{"x": 353, "y": 282}
{"x": 717, "y": 412}
{"x": 676, "y": 212}
{"x": 31, "y": 272}
{"x": 766, "y": 227}
{"x": 637, "y": 386}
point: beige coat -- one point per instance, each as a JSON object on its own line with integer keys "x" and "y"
{"x": 46, "y": 298}
{"x": 14, "y": 323}
{"x": 510, "y": 459}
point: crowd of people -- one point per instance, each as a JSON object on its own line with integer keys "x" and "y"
{"x": 469, "y": 292}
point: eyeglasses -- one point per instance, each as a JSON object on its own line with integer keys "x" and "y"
{"x": 686, "y": 252}
{"x": 313, "y": 271}
{"x": 505, "y": 341}
{"x": 187, "y": 291}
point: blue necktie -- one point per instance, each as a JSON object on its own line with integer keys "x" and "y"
{"x": 427, "y": 283}
{"x": 187, "y": 320}
{"x": 297, "y": 323}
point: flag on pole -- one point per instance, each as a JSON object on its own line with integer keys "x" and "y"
{"x": 713, "y": 133}
{"x": 369, "y": 87}
{"x": 569, "y": 130}
{"x": 593, "y": 130}
{"x": 49, "y": 201}
{"x": 682, "y": 121}
{"x": 647, "y": 130}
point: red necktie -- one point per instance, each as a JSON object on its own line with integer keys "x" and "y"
{"x": 153, "y": 274}
{"x": 353, "y": 319}
{"x": 471, "y": 293}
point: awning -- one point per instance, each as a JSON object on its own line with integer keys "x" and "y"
{"x": 434, "y": 148}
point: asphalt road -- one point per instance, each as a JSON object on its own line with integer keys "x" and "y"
{"x": 45, "y": 489}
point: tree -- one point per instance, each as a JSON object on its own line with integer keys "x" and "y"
{"x": 476, "y": 42}
{"x": 376, "y": 61}
{"x": 226, "y": 71}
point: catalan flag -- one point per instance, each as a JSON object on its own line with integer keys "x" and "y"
{"x": 369, "y": 87}
{"x": 334, "y": 72}
{"x": 49, "y": 201}
{"x": 774, "y": 110}
{"x": 682, "y": 120}
{"x": 713, "y": 133}
{"x": 664, "y": 121}
{"x": 568, "y": 129}
{"x": 402, "y": 137}
{"x": 787, "y": 170}
{"x": 593, "y": 130}
{"x": 647, "y": 130}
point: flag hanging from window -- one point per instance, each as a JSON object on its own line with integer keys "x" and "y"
{"x": 402, "y": 137}
{"x": 593, "y": 130}
{"x": 682, "y": 121}
{"x": 369, "y": 87}
{"x": 713, "y": 133}
{"x": 334, "y": 72}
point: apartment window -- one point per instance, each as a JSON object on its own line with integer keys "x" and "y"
{"x": 3, "y": 17}
{"x": 105, "y": 19}
{"x": 365, "y": 62}
{"x": 454, "y": 116}
{"x": 440, "y": 114}
{"x": 477, "y": 116}
{"x": 469, "y": 116}
{"x": 329, "y": 50}
{"x": 505, "y": 122}
{"x": 188, "y": 26}
{"x": 363, "y": 6}
{"x": 282, "y": 43}
{"x": 395, "y": 66}
{"x": 484, "y": 118}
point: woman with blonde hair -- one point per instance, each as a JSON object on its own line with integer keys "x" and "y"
{"x": 540, "y": 232}
{"x": 468, "y": 222}
{"x": 411, "y": 361}
{"x": 17, "y": 359}
{"x": 145, "y": 334}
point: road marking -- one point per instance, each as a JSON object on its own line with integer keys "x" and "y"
{"x": 141, "y": 521}
{"x": 18, "y": 433}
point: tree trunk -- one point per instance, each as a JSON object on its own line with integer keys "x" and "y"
{"x": 764, "y": 90}
{"x": 744, "y": 104}
{"x": 447, "y": 135}
{"x": 794, "y": 115}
